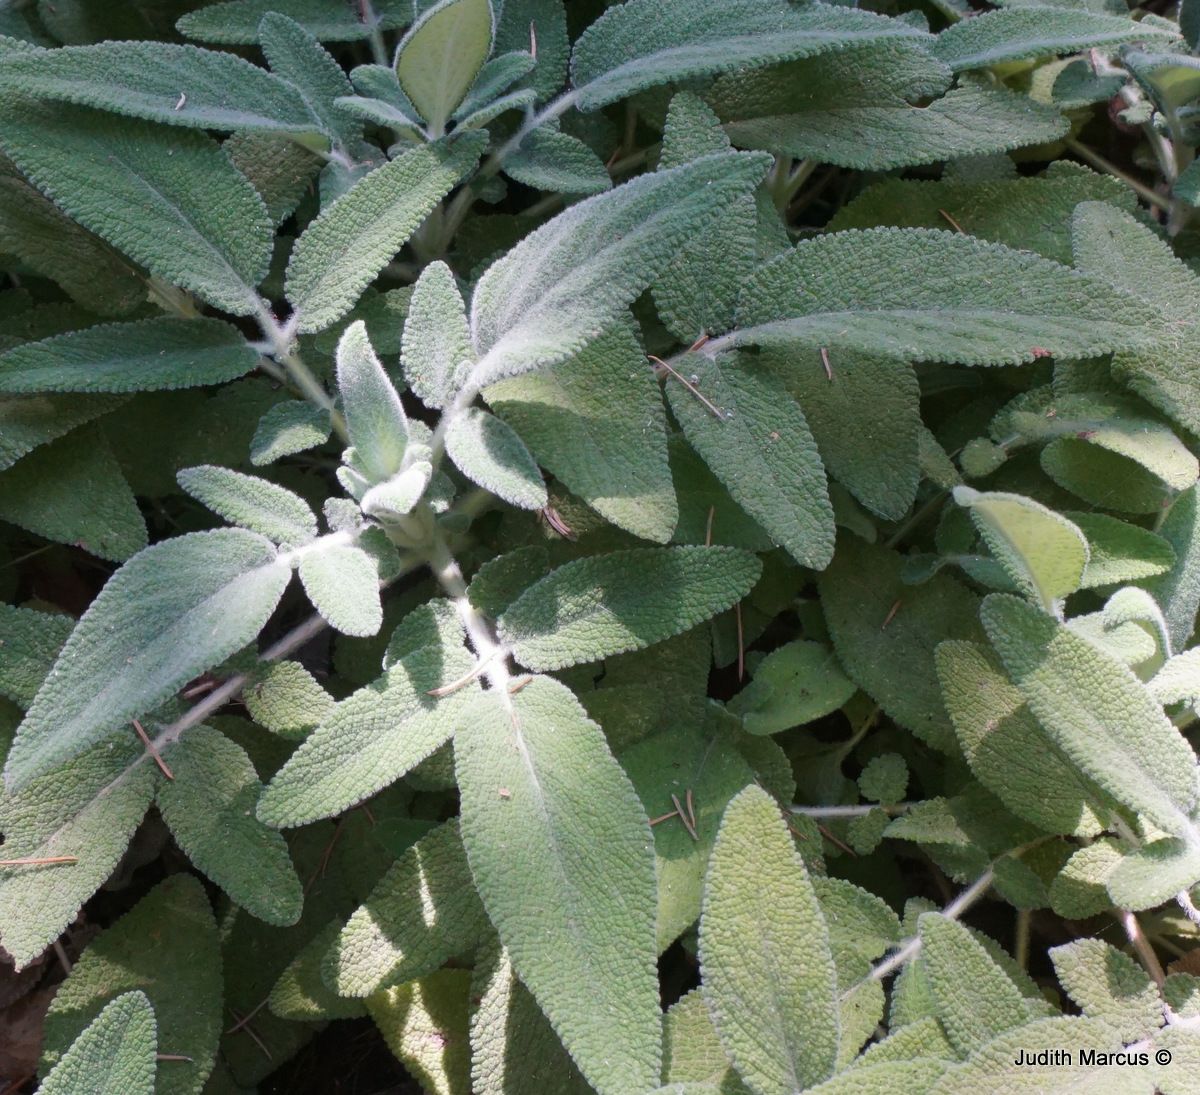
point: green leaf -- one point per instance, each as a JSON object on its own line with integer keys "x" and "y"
{"x": 441, "y": 55}
{"x": 296, "y": 56}
{"x": 884, "y": 778}
{"x": 1006, "y": 748}
{"x": 420, "y": 914}
{"x": 425, "y": 1024}
{"x": 1154, "y": 874}
{"x": 301, "y": 994}
{"x": 976, "y": 1000}
{"x": 692, "y": 1051}
{"x": 1107, "y": 984}
{"x": 857, "y": 108}
{"x": 642, "y": 43}
{"x": 379, "y": 733}
{"x": 552, "y": 160}
{"x": 375, "y": 417}
{"x": 174, "y": 610}
{"x": 166, "y": 947}
{"x": 114, "y": 1056}
{"x": 488, "y": 451}
{"x": 797, "y": 683}
{"x": 29, "y": 421}
{"x": 289, "y": 427}
{"x": 147, "y": 355}
{"x": 31, "y": 641}
{"x": 565, "y": 283}
{"x": 437, "y": 340}
{"x": 148, "y": 79}
{"x": 596, "y": 422}
{"x": 278, "y": 168}
{"x": 86, "y": 810}
{"x": 1120, "y": 552}
{"x": 705, "y": 769}
{"x": 236, "y": 22}
{"x": 74, "y": 491}
{"x": 1178, "y": 591}
{"x": 941, "y": 297}
{"x": 256, "y": 504}
{"x": 627, "y": 600}
{"x": 1042, "y": 552}
{"x": 513, "y": 1045}
{"x": 342, "y": 581}
{"x": 885, "y": 633}
{"x": 571, "y": 891}
{"x": 761, "y": 449}
{"x": 549, "y": 18}
{"x": 209, "y": 807}
{"x": 340, "y": 252}
{"x": 1022, "y": 34}
{"x": 286, "y": 698}
{"x": 769, "y": 981}
{"x": 495, "y": 78}
{"x": 171, "y": 201}
{"x": 707, "y": 514}
{"x": 1097, "y": 712}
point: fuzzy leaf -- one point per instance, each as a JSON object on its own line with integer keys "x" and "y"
{"x": 565, "y": 283}
{"x": 375, "y": 417}
{"x": 29, "y": 421}
{"x": 377, "y": 734}
{"x": 1096, "y": 711}
{"x": 692, "y": 1051}
{"x": 114, "y": 1056}
{"x": 340, "y": 252}
{"x": 420, "y": 914}
{"x": 288, "y": 427}
{"x": 301, "y": 994}
{"x": 168, "y": 948}
{"x": 797, "y": 683}
{"x": 209, "y": 807}
{"x": 1178, "y": 591}
{"x": 761, "y": 449}
{"x": 1020, "y": 35}
{"x": 437, "y": 340}
{"x": 607, "y": 604}
{"x": 88, "y": 810}
{"x": 148, "y": 355}
{"x": 1153, "y": 874}
{"x": 1107, "y": 984}
{"x": 342, "y": 581}
{"x": 933, "y": 296}
{"x": 1120, "y": 552}
{"x": 236, "y": 22}
{"x": 171, "y": 201}
{"x": 571, "y": 891}
{"x": 31, "y": 641}
{"x": 769, "y": 981}
{"x": 256, "y": 504}
{"x": 642, "y": 43}
{"x": 596, "y": 422}
{"x": 147, "y": 80}
{"x": 286, "y": 698}
{"x": 442, "y": 54}
{"x": 173, "y": 611}
{"x": 1040, "y": 550}
{"x": 488, "y": 451}
{"x": 1006, "y": 748}
{"x": 553, "y": 160}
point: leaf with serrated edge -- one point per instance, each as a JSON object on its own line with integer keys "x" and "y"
{"x": 437, "y": 339}
{"x": 173, "y": 611}
{"x": 570, "y": 890}
{"x": 31, "y": 641}
{"x": 769, "y": 981}
{"x": 487, "y": 450}
{"x": 1108, "y": 984}
{"x": 236, "y": 22}
{"x": 342, "y": 581}
{"x": 257, "y": 504}
{"x": 375, "y": 416}
{"x": 168, "y": 948}
{"x": 608, "y": 604}
{"x": 441, "y": 55}
{"x": 114, "y": 1056}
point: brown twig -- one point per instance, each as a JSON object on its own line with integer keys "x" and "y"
{"x": 720, "y": 414}
{"x": 38, "y": 861}
{"x": 162, "y": 764}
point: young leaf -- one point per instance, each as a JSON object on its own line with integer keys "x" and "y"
{"x": 794, "y": 684}
{"x": 1097, "y": 711}
{"x": 945, "y": 297}
{"x": 340, "y": 252}
{"x": 342, "y": 581}
{"x": 1178, "y": 591}
{"x": 114, "y": 1056}
{"x": 1120, "y": 552}
{"x": 162, "y": 82}
{"x": 761, "y": 449}
{"x": 442, "y": 54}
{"x": 571, "y": 893}
{"x": 166, "y": 947}
{"x": 236, "y": 22}
{"x": 173, "y": 611}
{"x": 642, "y": 43}
{"x": 627, "y": 600}
{"x": 256, "y": 504}
{"x": 292, "y": 426}
{"x": 209, "y": 808}
{"x": 488, "y": 451}
{"x": 1041, "y": 551}
{"x": 552, "y": 160}
{"x": 769, "y": 981}
{"x": 597, "y": 423}
{"x": 375, "y": 417}
{"x": 87, "y": 811}
{"x": 437, "y": 340}
{"x": 171, "y": 201}
{"x": 420, "y": 914}
{"x": 286, "y": 699}
{"x": 567, "y": 282}
{"x": 147, "y": 355}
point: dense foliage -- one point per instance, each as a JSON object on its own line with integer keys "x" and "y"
{"x": 741, "y": 455}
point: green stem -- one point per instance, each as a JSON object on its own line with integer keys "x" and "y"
{"x": 1021, "y": 948}
{"x": 283, "y": 348}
